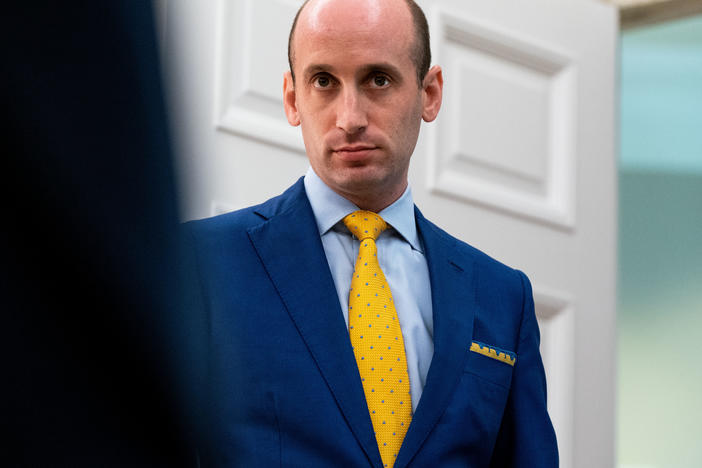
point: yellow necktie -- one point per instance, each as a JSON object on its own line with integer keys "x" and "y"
{"x": 377, "y": 341}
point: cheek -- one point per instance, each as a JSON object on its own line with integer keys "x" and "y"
{"x": 312, "y": 130}
{"x": 310, "y": 139}
{"x": 406, "y": 128}
{"x": 316, "y": 121}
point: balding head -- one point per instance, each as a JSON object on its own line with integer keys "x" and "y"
{"x": 359, "y": 98}
{"x": 419, "y": 50}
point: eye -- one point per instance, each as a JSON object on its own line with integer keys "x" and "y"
{"x": 322, "y": 81}
{"x": 379, "y": 81}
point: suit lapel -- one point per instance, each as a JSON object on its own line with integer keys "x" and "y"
{"x": 290, "y": 248}
{"x": 453, "y": 302}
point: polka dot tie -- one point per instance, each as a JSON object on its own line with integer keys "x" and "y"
{"x": 377, "y": 341}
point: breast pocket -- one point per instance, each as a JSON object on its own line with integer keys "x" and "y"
{"x": 490, "y": 369}
{"x": 472, "y": 419}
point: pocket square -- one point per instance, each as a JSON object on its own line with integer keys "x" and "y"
{"x": 501, "y": 355}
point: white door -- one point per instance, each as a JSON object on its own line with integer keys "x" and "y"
{"x": 520, "y": 162}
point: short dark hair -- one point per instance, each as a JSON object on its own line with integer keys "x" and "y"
{"x": 421, "y": 50}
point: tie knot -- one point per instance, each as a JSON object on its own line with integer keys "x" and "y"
{"x": 365, "y": 224}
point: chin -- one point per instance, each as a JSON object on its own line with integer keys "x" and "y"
{"x": 359, "y": 176}
{"x": 365, "y": 185}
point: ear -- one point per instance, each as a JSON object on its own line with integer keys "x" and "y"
{"x": 289, "y": 100}
{"x": 432, "y": 89}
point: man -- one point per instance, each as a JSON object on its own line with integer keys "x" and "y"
{"x": 404, "y": 348}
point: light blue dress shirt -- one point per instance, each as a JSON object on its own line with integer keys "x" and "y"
{"x": 401, "y": 257}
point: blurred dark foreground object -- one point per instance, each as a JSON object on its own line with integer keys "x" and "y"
{"x": 92, "y": 367}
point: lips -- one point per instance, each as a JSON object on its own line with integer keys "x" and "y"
{"x": 354, "y": 152}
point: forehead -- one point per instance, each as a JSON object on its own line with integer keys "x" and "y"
{"x": 354, "y": 29}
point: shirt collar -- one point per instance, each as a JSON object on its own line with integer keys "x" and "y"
{"x": 330, "y": 208}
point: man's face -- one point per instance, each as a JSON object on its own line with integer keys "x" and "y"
{"x": 356, "y": 96}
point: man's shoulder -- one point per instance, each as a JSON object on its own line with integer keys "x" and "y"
{"x": 239, "y": 221}
{"x": 503, "y": 292}
{"x": 467, "y": 255}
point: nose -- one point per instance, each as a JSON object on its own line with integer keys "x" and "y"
{"x": 351, "y": 114}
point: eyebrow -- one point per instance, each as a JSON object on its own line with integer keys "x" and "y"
{"x": 383, "y": 67}
{"x": 316, "y": 68}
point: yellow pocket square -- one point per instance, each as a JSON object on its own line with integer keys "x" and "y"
{"x": 501, "y": 355}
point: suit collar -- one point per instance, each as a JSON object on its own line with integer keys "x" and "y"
{"x": 288, "y": 200}
{"x": 453, "y": 301}
{"x": 312, "y": 302}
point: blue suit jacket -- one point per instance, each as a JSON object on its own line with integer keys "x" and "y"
{"x": 282, "y": 387}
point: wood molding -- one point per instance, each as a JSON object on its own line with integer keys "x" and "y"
{"x": 635, "y": 13}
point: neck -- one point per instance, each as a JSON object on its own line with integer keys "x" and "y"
{"x": 375, "y": 202}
